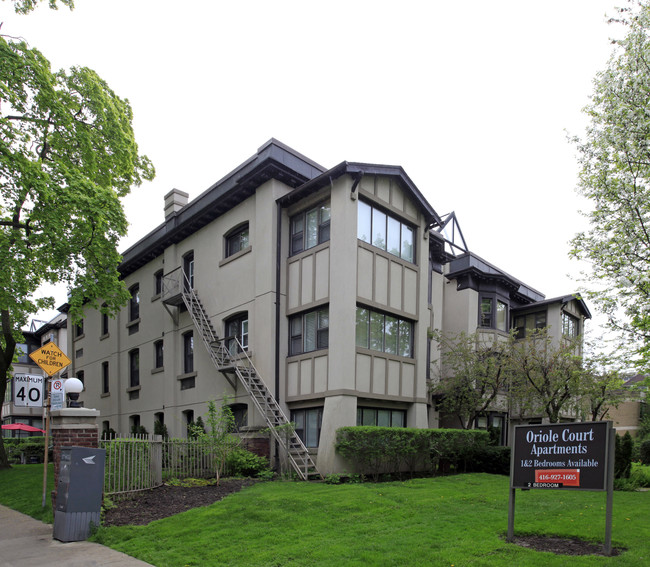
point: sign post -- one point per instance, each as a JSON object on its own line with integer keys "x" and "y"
{"x": 565, "y": 456}
{"x": 50, "y": 359}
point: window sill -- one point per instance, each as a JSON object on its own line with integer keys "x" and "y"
{"x": 133, "y": 323}
{"x": 133, "y": 389}
{"x": 235, "y": 256}
{"x": 156, "y": 297}
{"x": 104, "y": 336}
{"x": 79, "y": 337}
{"x": 186, "y": 376}
{"x": 105, "y": 395}
{"x": 158, "y": 370}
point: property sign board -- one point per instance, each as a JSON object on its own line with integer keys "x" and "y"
{"x": 564, "y": 456}
{"x": 50, "y": 358}
{"x": 28, "y": 390}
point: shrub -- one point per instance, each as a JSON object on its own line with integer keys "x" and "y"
{"x": 623, "y": 456}
{"x": 644, "y": 452}
{"x": 381, "y": 450}
{"x": 490, "y": 459}
{"x": 241, "y": 462}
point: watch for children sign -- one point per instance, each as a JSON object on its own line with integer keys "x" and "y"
{"x": 568, "y": 455}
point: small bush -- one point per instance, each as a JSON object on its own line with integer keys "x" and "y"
{"x": 623, "y": 456}
{"x": 490, "y": 459}
{"x": 241, "y": 462}
{"x": 644, "y": 452}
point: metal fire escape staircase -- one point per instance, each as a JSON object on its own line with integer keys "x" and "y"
{"x": 241, "y": 368}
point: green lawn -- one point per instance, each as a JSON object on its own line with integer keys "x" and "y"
{"x": 21, "y": 488}
{"x": 458, "y": 520}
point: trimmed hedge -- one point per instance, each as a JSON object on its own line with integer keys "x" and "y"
{"x": 379, "y": 450}
{"x": 644, "y": 452}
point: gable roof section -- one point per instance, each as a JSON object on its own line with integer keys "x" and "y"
{"x": 273, "y": 160}
{"x": 358, "y": 170}
{"x": 563, "y": 299}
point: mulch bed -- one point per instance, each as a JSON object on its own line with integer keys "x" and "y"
{"x": 140, "y": 508}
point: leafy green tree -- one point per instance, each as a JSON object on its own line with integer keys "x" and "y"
{"x": 614, "y": 156}
{"x": 472, "y": 374}
{"x": 217, "y": 434}
{"x": 545, "y": 374}
{"x": 26, "y": 6}
{"x": 602, "y": 387}
{"x": 67, "y": 156}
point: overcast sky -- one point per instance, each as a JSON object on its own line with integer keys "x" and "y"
{"x": 473, "y": 98}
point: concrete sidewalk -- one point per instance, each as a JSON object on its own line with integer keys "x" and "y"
{"x": 26, "y": 542}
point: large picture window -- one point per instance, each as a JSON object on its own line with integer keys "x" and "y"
{"x": 385, "y": 232}
{"x": 309, "y": 331}
{"x": 310, "y": 228}
{"x": 381, "y": 417}
{"x": 384, "y": 333}
{"x": 308, "y": 424}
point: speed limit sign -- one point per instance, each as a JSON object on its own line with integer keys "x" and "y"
{"x": 28, "y": 390}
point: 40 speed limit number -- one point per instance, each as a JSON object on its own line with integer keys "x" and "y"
{"x": 28, "y": 390}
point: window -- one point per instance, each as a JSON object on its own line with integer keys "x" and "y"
{"x": 134, "y": 368}
{"x": 385, "y": 232}
{"x": 21, "y": 352}
{"x": 188, "y": 270}
{"x": 188, "y": 416}
{"x": 79, "y": 329}
{"x": 158, "y": 283}
{"x": 502, "y": 316}
{"x": 381, "y": 417}
{"x": 158, "y": 349}
{"x": 237, "y": 240}
{"x": 105, "y": 378}
{"x": 240, "y": 416}
{"x": 384, "y": 333}
{"x": 104, "y": 323}
{"x": 310, "y": 228}
{"x": 489, "y": 319}
{"x": 528, "y": 322}
{"x": 237, "y": 334}
{"x": 308, "y": 425}
{"x": 309, "y": 332}
{"x": 134, "y": 303}
{"x": 188, "y": 352}
{"x": 81, "y": 377}
{"x": 569, "y": 325}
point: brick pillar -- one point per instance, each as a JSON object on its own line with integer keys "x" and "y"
{"x": 71, "y": 427}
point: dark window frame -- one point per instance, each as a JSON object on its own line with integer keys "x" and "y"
{"x": 300, "y": 418}
{"x": 299, "y": 334}
{"x": 237, "y": 327}
{"x": 134, "y": 303}
{"x": 237, "y": 239}
{"x": 367, "y": 413}
{"x": 188, "y": 352}
{"x": 490, "y": 319}
{"x": 134, "y": 368}
{"x": 158, "y": 354}
{"x": 298, "y": 233}
{"x": 105, "y": 377}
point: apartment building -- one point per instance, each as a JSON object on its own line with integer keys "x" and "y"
{"x": 39, "y": 334}
{"x": 301, "y": 294}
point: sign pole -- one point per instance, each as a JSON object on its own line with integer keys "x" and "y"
{"x": 610, "y": 492}
{"x": 511, "y": 516}
{"x": 46, "y": 407}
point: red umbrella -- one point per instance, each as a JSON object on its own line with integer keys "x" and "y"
{"x": 22, "y": 427}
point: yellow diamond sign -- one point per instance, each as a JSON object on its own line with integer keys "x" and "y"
{"x": 50, "y": 358}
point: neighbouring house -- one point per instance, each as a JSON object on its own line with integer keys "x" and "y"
{"x": 300, "y": 294}
{"x": 39, "y": 333}
{"x": 629, "y": 413}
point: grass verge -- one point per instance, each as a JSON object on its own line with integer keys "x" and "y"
{"x": 21, "y": 488}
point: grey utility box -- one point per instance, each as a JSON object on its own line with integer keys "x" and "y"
{"x": 79, "y": 492}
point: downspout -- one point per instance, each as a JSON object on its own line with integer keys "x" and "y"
{"x": 278, "y": 264}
